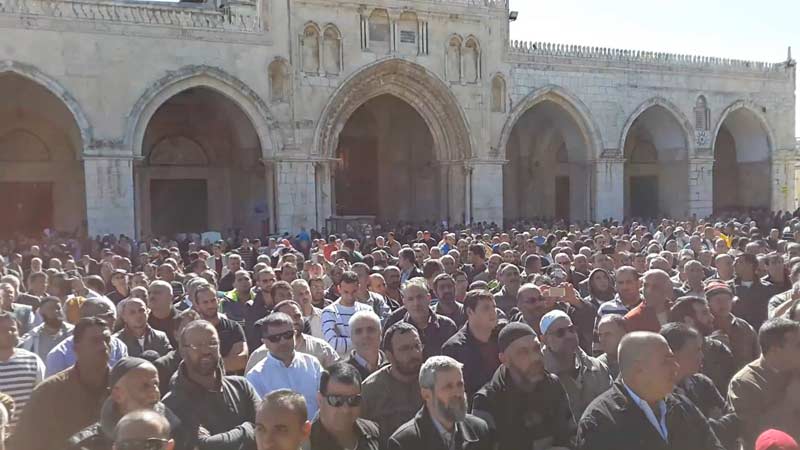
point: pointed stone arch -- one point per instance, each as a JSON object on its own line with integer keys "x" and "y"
{"x": 160, "y": 91}
{"x": 54, "y": 87}
{"x": 414, "y": 84}
{"x": 684, "y": 122}
{"x": 755, "y": 110}
{"x": 568, "y": 101}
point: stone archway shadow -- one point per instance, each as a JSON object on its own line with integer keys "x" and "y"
{"x": 680, "y": 118}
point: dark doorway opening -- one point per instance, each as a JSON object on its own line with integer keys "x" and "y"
{"x": 29, "y": 208}
{"x": 562, "y": 197}
{"x": 644, "y": 196}
{"x": 357, "y": 178}
{"x": 178, "y": 206}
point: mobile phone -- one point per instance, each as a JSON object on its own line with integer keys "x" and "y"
{"x": 556, "y": 292}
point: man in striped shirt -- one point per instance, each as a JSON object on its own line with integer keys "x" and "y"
{"x": 628, "y": 296}
{"x": 336, "y": 316}
{"x": 20, "y": 370}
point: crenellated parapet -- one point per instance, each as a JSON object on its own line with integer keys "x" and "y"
{"x": 625, "y": 56}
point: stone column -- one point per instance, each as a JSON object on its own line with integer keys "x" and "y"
{"x": 609, "y": 195}
{"x": 109, "y": 195}
{"x": 783, "y": 182}
{"x": 324, "y": 187}
{"x": 487, "y": 190}
{"x": 445, "y": 207}
{"x": 296, "y": 192}
{"x": 272, "y": 199}
{"x": 701, "y": 186}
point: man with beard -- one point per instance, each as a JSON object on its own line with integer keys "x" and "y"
{"x": 391, "y": 396}
{"x": 133, "y": 385}
{"x": 218, "y": 411}
{"x": 718, "y": 362}
{"x": 69, "y": 401}
{"x": 524, "y": 404}
{"x": 392, "y": 276}
{"x": 338, "y": 425}
{"x": 53, "y": 329}
{"x": 233, "y": 347}
{"x": 651, "y": 313}
{"x": 443, "y": 422}
{"x": 583, "y": 377}
{"x": 444, "y": 286}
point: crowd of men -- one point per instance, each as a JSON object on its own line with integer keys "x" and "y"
{"x": 680, "y": 335}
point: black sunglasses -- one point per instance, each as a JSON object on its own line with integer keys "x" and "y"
{"x": 142, "y": 444}
{"x": 562, "y": 332}
{"x": 278, "y": 337}
{"x": 337, "y": 401}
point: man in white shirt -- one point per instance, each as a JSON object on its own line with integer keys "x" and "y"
{"x": 301, "y": 293}
{"x": 285, "y": 368}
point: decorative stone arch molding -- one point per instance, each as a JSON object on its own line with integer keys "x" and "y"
{"x": 570, "y": 103}
{"x": 752, "y": 108}
{"x": 410, "y": 82}
{"x": 687, "y": 129}
{"x": 54, "y": 87}
{"x": 159, "y": 92}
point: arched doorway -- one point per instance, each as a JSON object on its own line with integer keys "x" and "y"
{"x": 656, "y": 165}
{"x": 426, "y": 112}
{"x": 201, "y": 168}
{"x": 42, "y": 177}
{"x": 388, "y": 167}
{"x": 741, "y": 152}
{"x": 547, "y": 172}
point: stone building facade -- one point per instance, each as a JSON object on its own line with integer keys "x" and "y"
{"x": 138, "y": 118}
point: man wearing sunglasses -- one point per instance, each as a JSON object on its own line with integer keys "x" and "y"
{"x": 582, "y": 376}
{"x": 338, "y": 426}
{"x": 143, "y": 430}
{"x": 284, "y": 367}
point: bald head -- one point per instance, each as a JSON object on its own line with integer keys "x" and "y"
{"x": 139, "y": 425}
{"x": 634, "y": 347}
{"x": 647, "y": 365}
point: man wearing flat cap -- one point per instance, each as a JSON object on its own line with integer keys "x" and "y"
{"x": 733, "y": 331}
{"x": 523, "y": 403}
{"x": 133, "y": 385}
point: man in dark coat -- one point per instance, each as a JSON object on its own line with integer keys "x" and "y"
{"x": 640, "y": 411}
{"x": 443, "y": 422}
{"x": 523, "y": 403}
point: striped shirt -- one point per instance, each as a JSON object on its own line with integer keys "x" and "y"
{"x": 336, "y": 324}
{"x": 18, "y": 376}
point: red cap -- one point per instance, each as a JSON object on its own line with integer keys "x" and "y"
{"x": 775, "y": 440}
{"x": 718, "y": 286}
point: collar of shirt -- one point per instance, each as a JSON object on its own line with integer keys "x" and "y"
{"x": 363, "y": 362}
{"x": 660, "y": 424}
{"x": 447, "y": 436}
{"x": 432, "y": 319}
{"x": 275, "y": 362}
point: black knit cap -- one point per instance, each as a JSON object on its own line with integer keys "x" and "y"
{"x": 511, "y": 333}
{"x": 123, "y": 366}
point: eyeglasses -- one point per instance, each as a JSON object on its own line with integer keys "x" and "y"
{"x": 203, "y": 347}
{"x": 142, "y": 444}
{"x": 337, "y": 401}
{"x": 563, "y": 331}
{"x": 275, "y": 338}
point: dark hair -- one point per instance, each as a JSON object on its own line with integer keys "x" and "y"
{"x": 474, "y": 297}
{"x": 397, "y": 328}
{"x": 773, "y": 333}
{"x": 678, "y": 334}
{"x": 276, "y": 318}
{"x": 749, "y": 258}
{"x": 407, "y": 254}
{"x": 349, "y": 277}
{"x": 442, "y": 277}
{"x": 49, "y": 299}
{"x": 288, "y": 400}
{"x": 478, "y": 250}
{"x": 684, "y": 307}
{"x": 279, "y": 285}
{"x": 283, "y": 303}
{"x": 84, "y": 324}
{"x": 430, "y": 267}
{"x": 340, "y": 372}
{"x": 35, "y": 275}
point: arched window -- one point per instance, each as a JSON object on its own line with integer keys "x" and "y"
{"x": 407, "y": 34}
{"x": 453, "y": 59}
{"x": 279, "y": 82}
{"x": 332, "y": 50}
{"x": 498, "y": 94}
{"x": 379, "y": 31}
{"x": 472, "y": 61}
{"x": 702, "y": 115}
{"x": 310, "y": 49}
